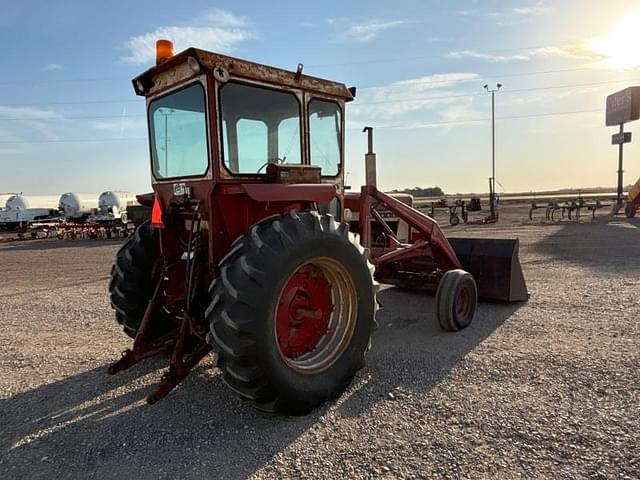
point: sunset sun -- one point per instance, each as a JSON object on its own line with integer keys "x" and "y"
{"x": 619, "y": 46}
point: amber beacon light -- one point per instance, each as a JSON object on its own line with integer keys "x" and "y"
{"x": 164, "y": 51}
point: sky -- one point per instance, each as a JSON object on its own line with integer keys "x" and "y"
{"x": 70, "y": 121}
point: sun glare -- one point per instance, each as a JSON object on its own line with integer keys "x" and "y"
{"x": 621, "y": 46}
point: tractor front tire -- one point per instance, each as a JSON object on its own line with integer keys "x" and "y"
{"x": 456, "y": 300}
{"x": 630, "y": 210}
{"x": 133, "y": 278}
{"x": 292, "y": 312}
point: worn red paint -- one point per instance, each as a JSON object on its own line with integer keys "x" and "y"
{"x": 303, "y": 312}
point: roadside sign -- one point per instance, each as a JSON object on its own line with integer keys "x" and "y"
{"x": 620, "y": 138}
{"x": 623, "y": 106}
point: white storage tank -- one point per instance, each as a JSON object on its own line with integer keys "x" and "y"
{"x": 77, "y": 205}
{"x": 115, "y": 201}
{"x": 3, "y": 199}
{"x": 21, "y": 202}
{"x": 112, "y": 205}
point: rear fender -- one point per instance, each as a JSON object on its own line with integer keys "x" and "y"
{"x": 146, "y": 199}
{"x": 298, "y": 192}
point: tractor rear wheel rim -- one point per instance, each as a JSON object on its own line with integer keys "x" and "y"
{"x": 315, "y": 316}
{"x": 463, "y": 302}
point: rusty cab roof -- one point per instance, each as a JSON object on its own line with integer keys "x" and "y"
{"x": 177, "y": 70}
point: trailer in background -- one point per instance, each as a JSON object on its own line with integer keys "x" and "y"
{"x": 12, "y": 219}
{"x": 20, "y": 209}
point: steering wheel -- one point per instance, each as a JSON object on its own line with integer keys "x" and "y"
{"x": 278, "y": 160}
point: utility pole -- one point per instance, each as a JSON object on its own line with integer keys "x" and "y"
{"x": 620, "y": 171}
{"x": 492, "y": 180}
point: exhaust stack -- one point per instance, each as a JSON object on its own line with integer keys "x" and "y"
{"x": 370, "y": 160}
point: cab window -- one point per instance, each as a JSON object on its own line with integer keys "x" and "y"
{"x": 179, "y": 134}
{"x": 325, "y": 136}
{"x": 259, "y": 126}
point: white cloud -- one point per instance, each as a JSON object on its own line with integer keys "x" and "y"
{"x": 468, "y": 13}
{"x": 30, "y": 119}
{"x": 462, "y": 112}
{"x": 217, "y": 30}
{"x": 364, "y": 31}
{"x": 368, "y": 31}
{"x": 27, "y": 113}
{"x": 575, "y": 51}
{"x": 389, "y": 102}
{"x": 51, "y": 67}
{"x": 223, "y": 18}
{"x": 120, "y": 125}
{"x": 538, "y": 9}
{"x": 513, "y": 16}
{"x": 438, "y": 80}
{"x": 486, "y": 56}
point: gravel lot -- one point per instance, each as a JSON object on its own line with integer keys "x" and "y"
{"x": 546, "y": 389}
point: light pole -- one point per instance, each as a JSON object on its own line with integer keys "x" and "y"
{"x": 492, "y": 180}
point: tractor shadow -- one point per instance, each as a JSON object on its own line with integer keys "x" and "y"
{"x": 605, "y": 246}
{"x": 94, "y": 425}
{"x": 411, "y": 352}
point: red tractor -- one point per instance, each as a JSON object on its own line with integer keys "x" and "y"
{"x": 249, "y": 250}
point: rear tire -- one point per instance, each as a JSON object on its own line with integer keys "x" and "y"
{"x": 255, "y": 321}
{"x": 133, "y": 278}
{"x": 456, "y": 300}
{"x": 454, "y": 220}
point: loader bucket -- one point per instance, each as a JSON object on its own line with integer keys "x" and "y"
{"x": 495, "y": 265}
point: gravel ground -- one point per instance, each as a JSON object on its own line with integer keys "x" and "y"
{"x": 546, "y": 389}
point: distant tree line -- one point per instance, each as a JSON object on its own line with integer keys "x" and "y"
{"x": 422, "y": 192}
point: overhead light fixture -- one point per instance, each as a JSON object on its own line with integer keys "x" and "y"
{"x": 194, "y": 64}
{"x": 142, "y": 85}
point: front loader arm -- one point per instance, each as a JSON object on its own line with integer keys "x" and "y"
{"x": 440, "y": 247}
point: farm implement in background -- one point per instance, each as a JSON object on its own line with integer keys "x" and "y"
{"x": 69, "y": 231}
{"x": 570, "y": 209}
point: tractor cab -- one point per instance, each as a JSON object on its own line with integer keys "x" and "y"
{"x": 219, "y": 125}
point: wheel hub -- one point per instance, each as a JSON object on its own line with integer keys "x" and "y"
{"x": 303, "y": 312}
{"x": 463, "y": 302}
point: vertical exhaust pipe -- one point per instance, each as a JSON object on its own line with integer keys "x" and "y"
{"x": 368, "y": 189}
{"x": 370, "y": 160}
